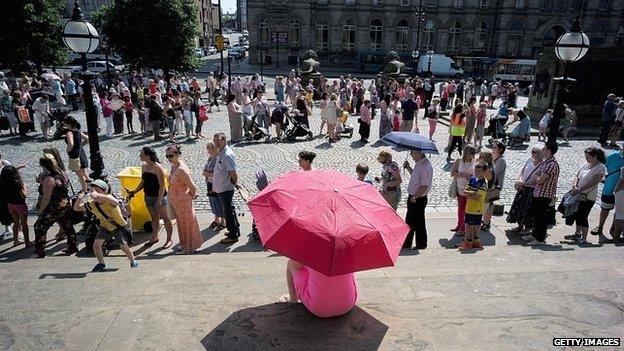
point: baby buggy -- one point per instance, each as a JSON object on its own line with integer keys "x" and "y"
{"x": 344, "y": 128}
{"x": 254, "y": 131}
{"x": 498, "y": 129}
{"x": 297, "y": 129}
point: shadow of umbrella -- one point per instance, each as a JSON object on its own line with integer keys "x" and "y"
{"x": 288, "y": 326}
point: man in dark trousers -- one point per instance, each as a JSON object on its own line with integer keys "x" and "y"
{"x": 418, "y": 189}
{"x": 608, "y": 116}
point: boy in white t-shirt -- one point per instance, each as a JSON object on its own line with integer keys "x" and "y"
{"x": 543, "y": 125}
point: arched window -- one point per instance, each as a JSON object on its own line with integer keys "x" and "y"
{"x": 348, "y": 37}
{"x": 553, "y": 33}
{"x": 455, "y": 37}
{"x": 546, "y": 5}
{"x": 604, "y": 4}
{"x": 264, "y": 32}
{"x": 294, "y": 34}
{"x": 402, "y": 35}
{"x": 322, "y": 37}
{"x": 480, "y": 36}
{"x": 429, "y": 35}
{"x": 515, "y": 39}
{"x": 375, "y": 34}
{"x": 598, "y": 34}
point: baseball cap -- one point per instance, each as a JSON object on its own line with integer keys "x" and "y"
{"x": 100, "y": 184}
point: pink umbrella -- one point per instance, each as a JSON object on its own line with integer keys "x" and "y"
{"x": 328, "y": 221}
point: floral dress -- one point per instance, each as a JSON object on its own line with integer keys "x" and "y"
{"x": 182, "y": 202}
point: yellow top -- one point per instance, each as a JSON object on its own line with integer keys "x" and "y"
{"x": 113, "y": 212}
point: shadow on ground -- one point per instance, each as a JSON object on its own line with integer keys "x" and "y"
{"x": 287, "y": 326}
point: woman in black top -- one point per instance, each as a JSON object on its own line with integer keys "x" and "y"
{"x": 13, "y": 192}
{"x": 302, "y": 107}
{"x": 153, "y": 185}
{"x": 78, "y": 161}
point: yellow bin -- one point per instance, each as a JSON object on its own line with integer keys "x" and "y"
{"x": 130, "y": 178}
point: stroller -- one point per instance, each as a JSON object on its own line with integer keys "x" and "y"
{"x": 57, "y": 116}
{"x": 344, "y": 128}
{"x": 297, "y": 129}
{"x": 254, "y": 131}
{"x": 498, "y": 129}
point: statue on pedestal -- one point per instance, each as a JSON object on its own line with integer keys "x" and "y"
{"x": 309, "y": 69}
{"x": 391, "y": 69}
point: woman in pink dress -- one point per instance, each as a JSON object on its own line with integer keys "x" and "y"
{"x": 323, "y": 296}
{"x": 182, "y": 191}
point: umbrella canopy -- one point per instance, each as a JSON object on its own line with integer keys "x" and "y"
{"x": 329, "y": 222}
{"x": 50, "y": 76}
{"x": 410, "y": 141}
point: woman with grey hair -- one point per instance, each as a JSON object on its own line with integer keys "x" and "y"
{"x": 519, "y": 212}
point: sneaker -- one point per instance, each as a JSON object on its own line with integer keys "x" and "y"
{"x": 98, "y": 267}
{"x": 572, "y": 237}
{"x": 536, "y": 243}
{"x": 596, "y": 231}
{"x": 465, "y": 245}
{"x": 134, "y": 264}
{"x": 528, "y": 238}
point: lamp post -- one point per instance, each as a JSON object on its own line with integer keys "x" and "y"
{"x": 261, "y": 64}
{"x": 81, "y": 37}
{"x": 229, "y": 60}
{"x": 415, "y": 56}
{"x": 430, "y": 54}
{"x": 104, "y": 46}
{"x": 420, "y": 14}
{"x": 569, "y": 48}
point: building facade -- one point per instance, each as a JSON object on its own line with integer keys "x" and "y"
{"x": 241, "y": 14}
{"x": 87, "y": 6}
{"x": 340, "y": 29}
{"x": 208, "y": 21}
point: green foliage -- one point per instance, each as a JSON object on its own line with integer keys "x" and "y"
{"x": 31, "y": 33}
{"x": 158, "y": 34}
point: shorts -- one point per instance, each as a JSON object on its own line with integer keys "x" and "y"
{"x": 117, "y": 234}
{"x": 150, "y": 201}
{"x": 607, "y": 202}
{"x": 18, "y": 209}
{"x": 473, "y": 219}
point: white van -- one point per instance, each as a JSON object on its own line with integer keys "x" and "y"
{"x": 441, "y": 66}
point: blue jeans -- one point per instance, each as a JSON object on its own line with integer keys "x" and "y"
{"x": 231, "y": 220}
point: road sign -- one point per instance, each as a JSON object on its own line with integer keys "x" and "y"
{"x": 279, "y": 37}
{"x": 219, "y": 43}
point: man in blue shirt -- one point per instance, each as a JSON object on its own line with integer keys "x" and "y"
{"x": 615, "y": 162}
{"x": 410, "y": 109}
{"x": 70, "y": 92}
{"x": 608, "y": 116}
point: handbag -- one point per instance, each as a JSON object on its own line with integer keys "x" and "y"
{"x": 452, "y": 191}
{"x": 202, "y": 116}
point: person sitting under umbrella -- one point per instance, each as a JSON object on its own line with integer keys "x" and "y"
{"x": 323, "y": 296}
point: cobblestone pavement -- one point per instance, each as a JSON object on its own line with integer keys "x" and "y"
{"x": 278, "y": 158}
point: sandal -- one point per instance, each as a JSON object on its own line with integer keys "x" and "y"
{"x": 486, "y": 226}
{"x": 213, "y": 225}
{"x": 168, "y": 244}
{"x": 219, "y": 228}
{"x": 150, "y": 243}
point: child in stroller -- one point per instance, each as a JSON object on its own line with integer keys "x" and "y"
{"x": 254, "y": 131}
{"x": 297, "y": 127}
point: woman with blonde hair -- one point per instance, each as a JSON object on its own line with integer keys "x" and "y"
{"x": 390, "y": 179}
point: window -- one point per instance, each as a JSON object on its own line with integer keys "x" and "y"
{"x": 604, "y": 5}
{"x": 294, "y": 34}
{"x": 480, "y": 37}
{"x": 559, "y": 4}
{"x": 520, "y": 4}
{"x": 619, "y": 37}
{"x": 515, "y": 39}
{"x": 458, "y": 4}
{"x": 322, "y": 37}
{"x": 404, "y": 3}
{"x": 483, "y": 3}
{"x": 402, "y": 35}
{"x": 350, "y": 2}
{"x": 454, "y": 37}
{"x": 348, "y": 37}
{"x": 546, "y": 4}
{"x": 429, "y": 33}
{"x": 377, "y": 2}
{"x": 322, "y": 2}
{"x": 375, "y": 34}
{"x": 431, "y": 3}
{"x": 598, "y": 34}
{"x": 264, "y": 33}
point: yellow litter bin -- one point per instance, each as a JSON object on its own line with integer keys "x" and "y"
{"x": 130, "y": 178}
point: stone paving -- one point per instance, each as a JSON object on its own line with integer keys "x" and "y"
{"x": 278, "y": 158}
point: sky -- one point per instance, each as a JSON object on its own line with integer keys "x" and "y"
{"x": 227, "y": 6}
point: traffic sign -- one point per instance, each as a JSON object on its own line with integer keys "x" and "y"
{"x": 279, "y": 37}
{"x": 219, "y": 43}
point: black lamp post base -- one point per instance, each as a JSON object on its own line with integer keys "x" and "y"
{"x": 561, "y": 84}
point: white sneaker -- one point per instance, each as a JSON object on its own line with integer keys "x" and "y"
{"x": 528, "y": 238}
{"x": 536, "y": 243}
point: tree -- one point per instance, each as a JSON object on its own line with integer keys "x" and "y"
{"x": 31, "y": 34}
{"x": 157, "y": 34}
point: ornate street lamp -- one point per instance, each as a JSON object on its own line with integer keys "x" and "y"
{"x": 430, "y": 54}
{"x": 82, "y": 38}
{"x": 415, "y": 56}
{"x": 569, "y": 48}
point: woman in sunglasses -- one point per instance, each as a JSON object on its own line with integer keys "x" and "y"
{"x": 182, "y": 192}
